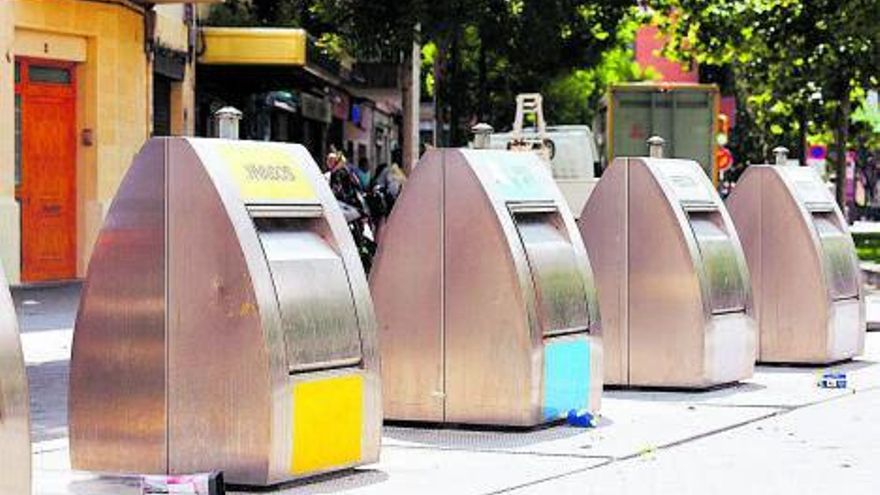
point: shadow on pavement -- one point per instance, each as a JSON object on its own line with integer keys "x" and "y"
{"x": 482, "y": 440}
{"x": 42, "y": 308}
{"x": 48, "y": 392}
{"x": 349, "y": 479}
{"x": 681, "y": 395}
{"x": 842, "y": 366}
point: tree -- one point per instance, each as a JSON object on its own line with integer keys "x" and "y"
{"x": 483, "y": 51}
{"x": 803, "y": 61}
{"x": 281, "y": 13}
{"x": 573, "y": 98}
{"x": 478, "y": 53}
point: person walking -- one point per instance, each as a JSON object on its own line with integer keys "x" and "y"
{"x": 346, "y": 187}
{"x": 388, "y": 183}
{"x": 390, "y": 178}
{"x": 363, "y": 173}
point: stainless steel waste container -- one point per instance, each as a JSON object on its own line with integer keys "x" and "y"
{"x": 484, "y": 296}
{"x": 672, "y": 280}
{"x": 15, "y": 437}
{"x": 806, "y": 282}
{"x": 226, "y": 322}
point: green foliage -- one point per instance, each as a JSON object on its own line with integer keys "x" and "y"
{"x": 232, "y": 13}
{"x": 370, "y": 29}
{"x": 478, "y": 54}
{"x": 869, "y": 116}
{"x": 274, "y": 13}
{"x": 867, "y": 246}
{"x": 429, "y": 54}
{"x": 574, "y": 97}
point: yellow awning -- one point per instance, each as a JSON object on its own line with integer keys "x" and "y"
{"x": 253, "y": 46}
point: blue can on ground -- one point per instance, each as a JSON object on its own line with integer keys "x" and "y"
{"x": 833, "y": 380}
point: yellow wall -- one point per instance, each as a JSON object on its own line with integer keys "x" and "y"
{"x": 9, "y": 224}
{"x": 171, "y": 32}
{"x": 114, "y": 93}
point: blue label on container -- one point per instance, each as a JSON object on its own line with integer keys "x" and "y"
{"x": 566, "y": 377}
{"x": 516, "y": 176}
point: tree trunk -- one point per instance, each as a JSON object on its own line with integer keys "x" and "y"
{"x": 482, "y": 92}
{"x": 439, "y": 83}
{"x": 841, "y": 135}
{"x": 410, "y": 83}
{"x": 802, "y": 137}
{"x": 454, "y": 95}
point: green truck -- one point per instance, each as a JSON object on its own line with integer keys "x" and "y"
{"x": 686, "y": 116}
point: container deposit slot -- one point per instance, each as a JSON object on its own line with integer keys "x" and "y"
{"x": 313, "y": 292}
{"x": 726, "y": 288}
{"x": 836, "y": 254}
{"x": 559, "y": 286}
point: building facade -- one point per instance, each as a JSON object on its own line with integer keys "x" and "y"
{"x": 79, "y": 81}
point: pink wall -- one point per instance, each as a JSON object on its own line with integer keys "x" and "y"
{"x": 728, "y": 107}
{"x": 648, "y": 46}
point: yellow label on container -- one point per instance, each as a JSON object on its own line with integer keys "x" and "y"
{"x": 327, "y": 423}
{"x": 266, "y": 172}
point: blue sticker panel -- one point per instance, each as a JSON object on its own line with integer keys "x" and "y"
{"x": 515, "y": 176}
{"x": 566, "y": 377}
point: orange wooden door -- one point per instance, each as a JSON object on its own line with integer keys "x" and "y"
{"x": 47, "y": 190}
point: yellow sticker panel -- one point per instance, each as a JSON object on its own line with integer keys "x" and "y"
{"x": 266, "y": 172}
{"x": 327, "y": 423}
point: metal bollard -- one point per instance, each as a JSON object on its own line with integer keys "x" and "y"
{"x": 227, "y": 119}
{"x": 482, "y": 134}
{"x": 781, "y": 154}
{"x": 655, "y": 146}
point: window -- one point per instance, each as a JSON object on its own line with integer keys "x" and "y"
{"x": 48, "y": 75}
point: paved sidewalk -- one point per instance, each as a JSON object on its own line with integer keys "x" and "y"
{"x": 775, "y": 433}
{"x": 46, "y": 316}
{"x": 832, "y": 447}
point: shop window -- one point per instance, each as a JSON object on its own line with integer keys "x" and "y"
{"x": 48, "y": 75}
{"x": 17, "y": 72}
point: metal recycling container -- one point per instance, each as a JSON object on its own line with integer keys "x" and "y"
{"x": 809, "y": 299}
{"x": 672, "y": 279}
{"x": 484, "y": 296}
{"x": 226, "y": 322}
{"x": 15, "y": 437}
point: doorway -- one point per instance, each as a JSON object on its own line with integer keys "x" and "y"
{"x": 45, "y": 168}
{"x": 161, "y": 105}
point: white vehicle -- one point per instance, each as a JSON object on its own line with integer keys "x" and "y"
{"x": 571, "y": 150}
